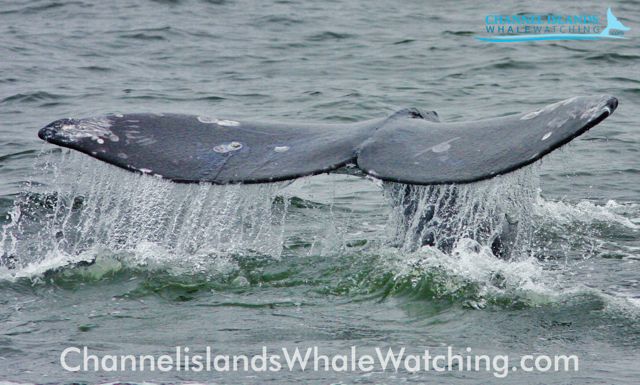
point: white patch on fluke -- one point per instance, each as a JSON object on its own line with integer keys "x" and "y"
{"x": 97, "y": 129}
{"x": 219, "y": 122}
{"x": 440, "y": 147}
{"x": 227, "y": 147}
{"x": 557, "y": 122}
{"x": 206, "y": 119}
{"x": 570, "y": 100}
{"x": 597, "y": 109}
{"x": 552, "y": 107}
{"x": 281, "y": 148}
{"x": 531, "y": 115}
{"x": 225, "y": 122}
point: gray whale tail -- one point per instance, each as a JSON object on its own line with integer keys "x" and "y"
{"x": 407, "y": 149}
{"x": 410, "y": 146}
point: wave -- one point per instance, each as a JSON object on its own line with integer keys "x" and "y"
{"x": 31, "y": 97}
{"x": 329, "y": 35}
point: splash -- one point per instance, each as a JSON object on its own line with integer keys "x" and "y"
{"x": 585, "y": 212}
{"x": 85, "y": 206}
{"x": 495, "y": 213}
{"x": 471, "y": 275}
{"x": 446, "y": 237}
{"x": 92, "y": 217}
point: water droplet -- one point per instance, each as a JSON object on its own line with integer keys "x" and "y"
{"x": 281, "y": 149}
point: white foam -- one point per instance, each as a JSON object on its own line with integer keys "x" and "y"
{"x": 583, "y": 211}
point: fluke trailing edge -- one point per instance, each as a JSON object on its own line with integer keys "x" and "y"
{"x": 410, "y": 146}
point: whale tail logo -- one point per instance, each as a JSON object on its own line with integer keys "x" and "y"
{"x": 613, "y": 23}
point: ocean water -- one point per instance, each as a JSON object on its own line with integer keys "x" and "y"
{"x": 124, "y": 264}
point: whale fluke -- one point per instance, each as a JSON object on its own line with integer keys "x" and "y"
{"x": 410, "y": 146}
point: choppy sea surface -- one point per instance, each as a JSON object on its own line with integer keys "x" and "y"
{"x": 93, "y": 256}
